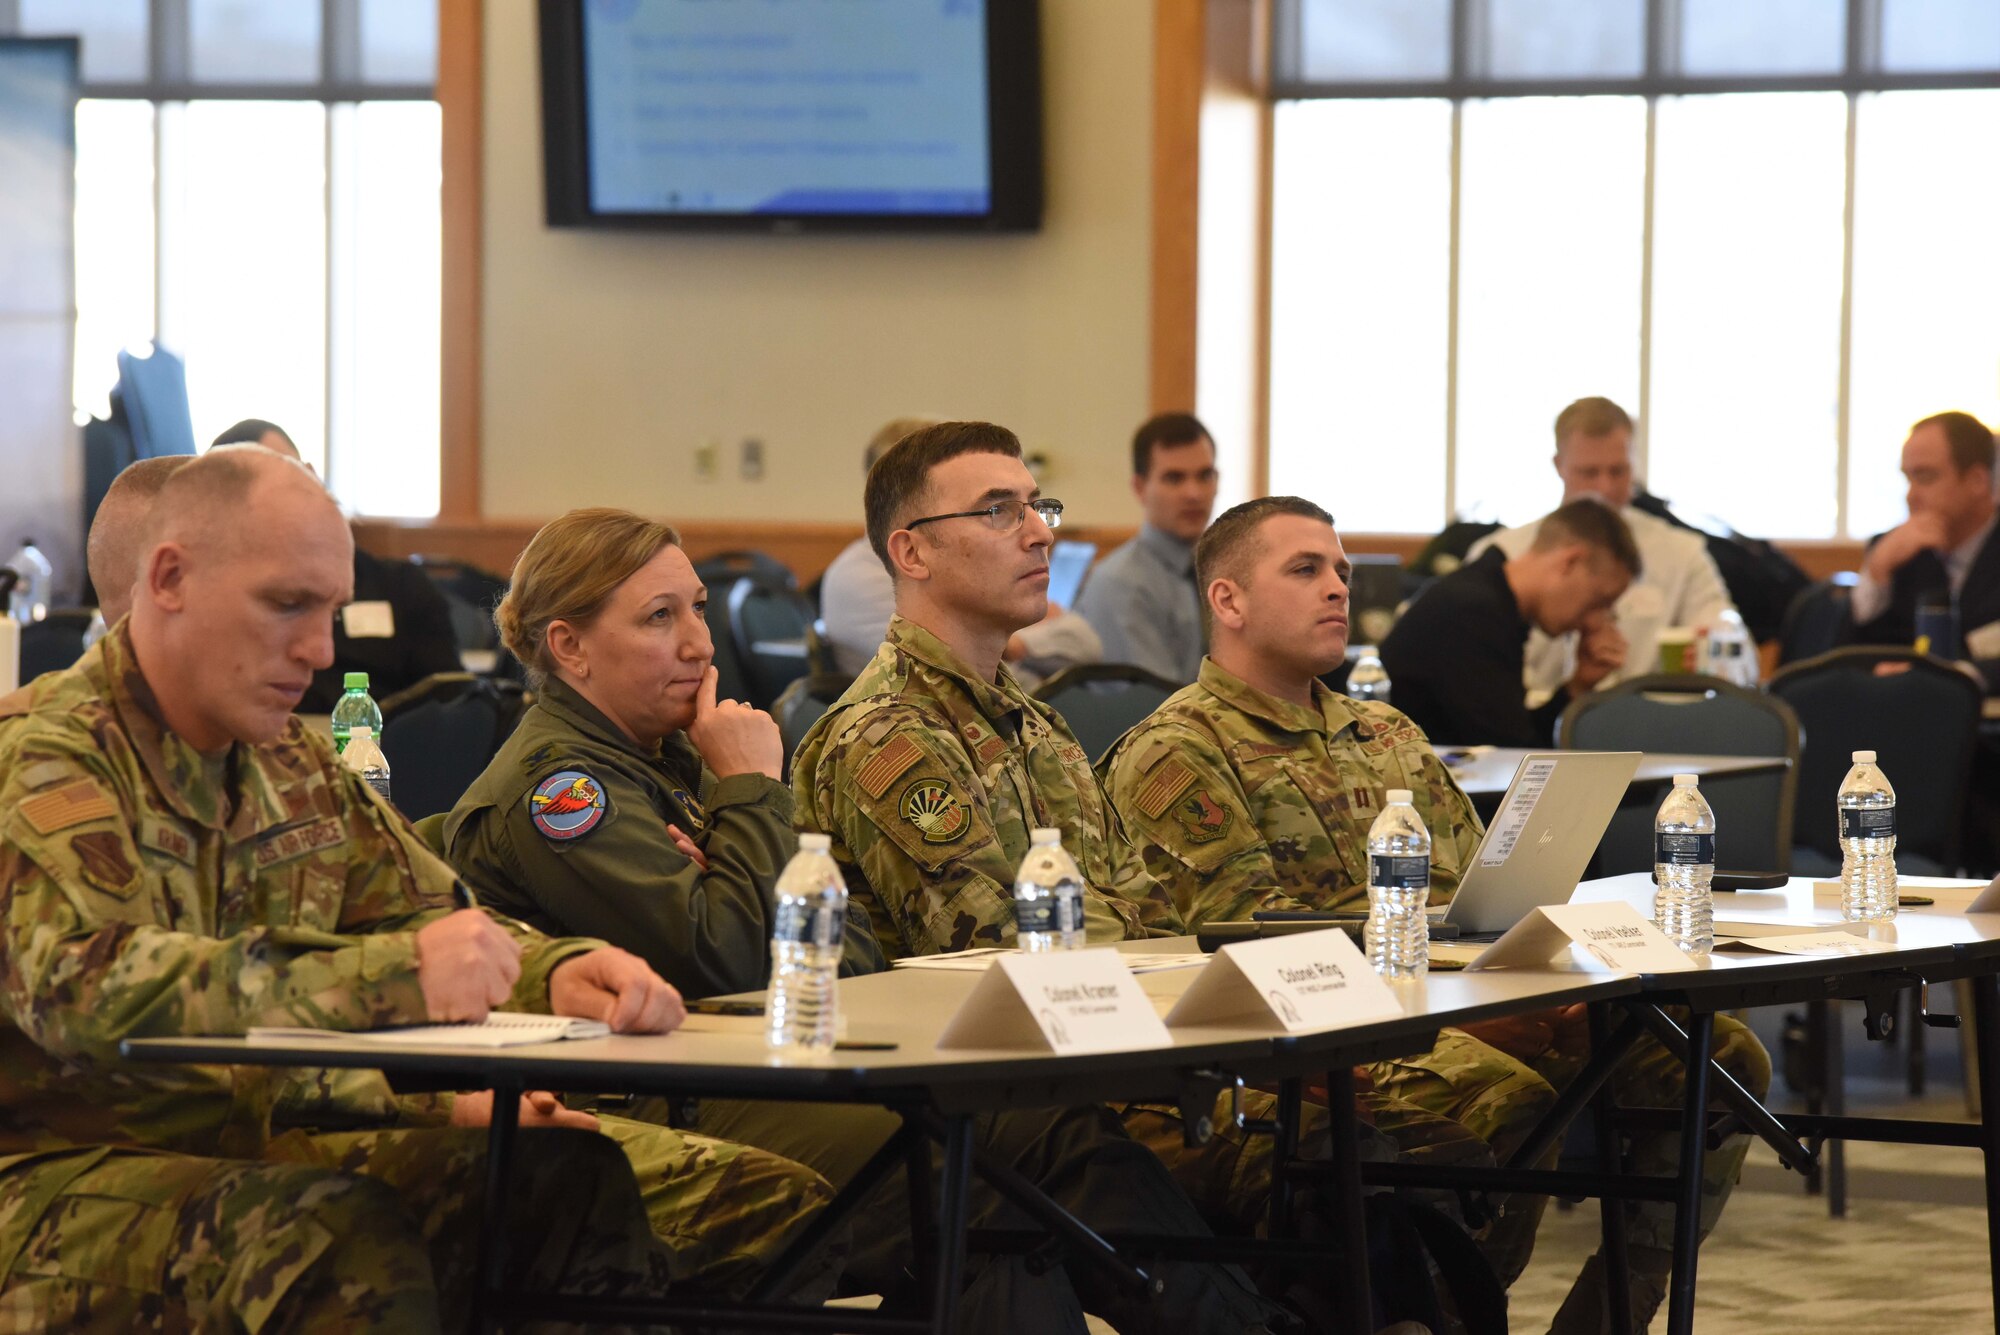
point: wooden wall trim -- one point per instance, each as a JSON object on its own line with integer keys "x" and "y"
{"x": 460, "y": 95}
{"x": 1179, "y": 71}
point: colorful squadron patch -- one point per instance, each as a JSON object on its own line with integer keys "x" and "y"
{"x": 1203, "y": 818}
{"x": 696, "y": 812}
{"x": 566, "y": 805}
{"x": 936, "y": 811}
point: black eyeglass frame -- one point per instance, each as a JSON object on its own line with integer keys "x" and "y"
{"x": 1048, "y": 508}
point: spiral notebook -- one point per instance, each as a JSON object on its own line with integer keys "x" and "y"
{"x": 498, "y": 1030}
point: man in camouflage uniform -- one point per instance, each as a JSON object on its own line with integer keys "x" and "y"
{"x": 178, "y": 855}
{"x": 931, "y": 770}
{"x": 1255, "y": 788}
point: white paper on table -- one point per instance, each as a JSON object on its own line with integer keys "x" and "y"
{"x": 1306, "y": 981}
{"x": 980, "y": 959}
{"x": 1608, "y": 936}
{"x": 1507, "y": 825}
{"x": 1836, "y": 942}
{"x": 501, "y": 1029}
{"x": 1065, "y": 1001}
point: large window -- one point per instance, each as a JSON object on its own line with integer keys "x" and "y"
{"x": 257, "y": 192}
{"x": 1768, "y": 238}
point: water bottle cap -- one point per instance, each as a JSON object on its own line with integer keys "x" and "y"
{"x": 1399, "y": 795}
{"x": 1045, "y": 836}
{"x": 361, "y": 730}
{"x": 1864, "y": 757}
{"x": 815, "y": 843}
{"x": 356, "y": 681}
{"x": 1686, "y": 780}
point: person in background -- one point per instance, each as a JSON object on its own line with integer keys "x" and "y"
{"x": 1944, "y": 553}
{"x": 397, "y": 629}
{"x": 1141, "y": 597}
{"x": 112, "y": 550}
{"x": 857, "y": 598}
{"x": 1680, "y": 584}
{"x": 1455, "y": 655}
{"x": 632, "y": 805}
{"x": 179, "y": 854}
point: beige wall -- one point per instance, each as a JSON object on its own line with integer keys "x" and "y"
{"x": 611, "y": 358}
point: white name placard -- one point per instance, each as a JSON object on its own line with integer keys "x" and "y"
{"x": 1609, "y": 937}
{"x": 368, "y": 621}
{"x": 1307, "y": 981}
{"x": 1067, "y": 1001}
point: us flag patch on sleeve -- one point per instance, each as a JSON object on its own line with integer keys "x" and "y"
{"x": 1168, "y": 782}
{"x": 71, "y": 804}
{"x": 888, "y": 764}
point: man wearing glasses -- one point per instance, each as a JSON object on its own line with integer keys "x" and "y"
{"x": 933, "y": 767}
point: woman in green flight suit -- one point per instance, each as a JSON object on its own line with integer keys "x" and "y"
{"x": 633, "y": 806}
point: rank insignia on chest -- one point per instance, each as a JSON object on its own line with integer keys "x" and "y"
{"x": 690, "y": 804}
{"x": 936, "y": 811}
{"x": 1203, "y": 818}
{"x": 566, "y": 805}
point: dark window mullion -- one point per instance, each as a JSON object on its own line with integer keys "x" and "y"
{"x": 168, "y": 37}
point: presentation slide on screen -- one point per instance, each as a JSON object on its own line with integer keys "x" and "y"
{"x": 787, "y": 106}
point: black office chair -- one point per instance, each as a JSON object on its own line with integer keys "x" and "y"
{"x": 1707, "y": 716}
{"x": 440, "y": 734}
{"x": 723, "y": 567}
{"x": 802, "y": 703}
{"x": 470, "y": 594}
{"x": 1101, "y": 701}
{"x": 1922, "y": 723}
{"x": 53, "y": 643}
{"x": 770, "y": 630}
{"x": 1817, "y": 619}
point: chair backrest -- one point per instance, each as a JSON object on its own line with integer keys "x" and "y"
{"x": 768, "y": 629}
{"x": 717, "y": 569}
{"x": 1922, "y": 722}
{"x": 440, "y": 734}
{"x": 1704, "y": 716}
{"x": 1817, "y": 618}
{"x": 52, "y": 644}
{"x": 802, "y": 703}
{"x": 1102, "y": 701}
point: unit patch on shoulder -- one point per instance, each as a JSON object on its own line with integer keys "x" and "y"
{"x": 71, "y": 804}
{"x": 100, "y": 856}
{"x": 889, "y": 764}
{"x": 1168, "y": 782}
{"x": 936, "y": 811}
{"x": 1203, "y": 818}
{"x": 566, "y": 805}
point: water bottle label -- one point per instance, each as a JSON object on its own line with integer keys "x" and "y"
{"x": 1684, "y": 850}
{"x": 1868, "y": 822}
{"x": 380, "y": 783}
{"x": 1036, "y": 915}
{"x": 1396, "y": 873}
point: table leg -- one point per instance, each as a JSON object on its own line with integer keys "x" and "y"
{"x": 923, "y": 1214}
{"x": 1986, "y": 1034}
{"x": 1836, "y": 1105}
{"x": 489, "y": 1295}
{"x": 1291, "y": 1100}
{"x": 1356, "y": 1304}
{"x": 952, "y": 1202}
{"x": 1694, "y": 1150}
{"x": 1610, "y": 1210}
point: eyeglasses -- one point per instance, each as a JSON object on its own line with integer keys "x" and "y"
{"x": 1003, "y": 516}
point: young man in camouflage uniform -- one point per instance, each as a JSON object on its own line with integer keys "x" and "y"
{"x": 932, "y": 769}
{"x": 1254, "y": 789}
{"x": 178, "y": 855}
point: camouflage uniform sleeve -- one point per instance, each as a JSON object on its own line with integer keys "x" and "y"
{"x": 395, "y": 884}
{"x": 898, "y": 797}
{"x": 88, "y": 964}
{"x": 1454, "y": 826}
{"x": 1193, "y": 825}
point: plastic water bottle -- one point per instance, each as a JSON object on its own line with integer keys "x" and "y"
{"x": 364, "y": 756}
{"x": 1684, "y": 867}
{"x": 1368, "y": 680}
{"x": 1048, "y": 896}
{"x": 30, "y": 600}
{"x": 355, "y": 709}
{"x": 1399, "y": 885}
{"x": 1867, "y": 842}
{"x": 802, "y": 1009}
{"x": 1728, "y": 651}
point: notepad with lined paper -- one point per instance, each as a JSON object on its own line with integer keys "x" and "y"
{"x": 498, "y": 1030}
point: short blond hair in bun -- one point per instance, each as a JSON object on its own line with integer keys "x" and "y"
{"x": 567, "y": 571}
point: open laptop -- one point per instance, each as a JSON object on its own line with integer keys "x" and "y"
{"x": 1069, "y": 562}
{"x": 1540, "y": 839}
{"x": 1535, "y": 851}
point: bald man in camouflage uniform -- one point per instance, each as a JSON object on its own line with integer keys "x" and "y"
{"x": 930, "y": 772}
{"x": 155, "y": 887}
{"x": 1249, "y": 799}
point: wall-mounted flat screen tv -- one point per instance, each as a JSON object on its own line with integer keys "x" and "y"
{"x": 792, "y": 115}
